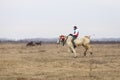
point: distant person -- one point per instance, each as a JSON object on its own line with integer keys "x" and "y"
{"x": 75, "y": 35}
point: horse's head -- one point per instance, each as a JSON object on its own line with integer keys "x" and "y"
{"x": 61, "y": 39}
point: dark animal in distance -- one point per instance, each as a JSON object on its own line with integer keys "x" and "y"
{"x": 38, "y": 43}
{"x": 33, "y": 43}
{"x": 30, "y": 44}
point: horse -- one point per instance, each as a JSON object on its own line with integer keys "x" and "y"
{"x": 30, "y": 44}
{"x": 38, "y": 43}
{"x": 61, "y": 40}
{"x": 85, "y": 42}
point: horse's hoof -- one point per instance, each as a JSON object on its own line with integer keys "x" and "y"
{"x": 84, "y": 54}
{"x": 91, "y": 53}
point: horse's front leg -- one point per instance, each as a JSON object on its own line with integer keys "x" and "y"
{"x": 73, "y": 50}
{"x": 70, "y": 50}
{"x": 85, "y": 52}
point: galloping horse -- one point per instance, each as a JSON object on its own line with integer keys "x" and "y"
{"x": 85, "y": 42}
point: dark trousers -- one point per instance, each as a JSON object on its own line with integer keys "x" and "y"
{"x": 74, "y": 37}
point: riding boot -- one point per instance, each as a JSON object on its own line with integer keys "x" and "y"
{"x": 74, "y": 44}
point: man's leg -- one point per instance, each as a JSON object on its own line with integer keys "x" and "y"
{"x": 74, "y": 37}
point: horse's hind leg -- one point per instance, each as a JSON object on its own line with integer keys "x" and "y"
{"x": 85, "y": 51}
{"x": 90, "y": 49}
{"x": 86, "y": 48}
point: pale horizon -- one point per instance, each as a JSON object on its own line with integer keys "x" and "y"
{"x": 21, "y": 19}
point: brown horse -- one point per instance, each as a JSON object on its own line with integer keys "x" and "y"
{"x": 39, "y": 43}
{"x": 30, "y": 44}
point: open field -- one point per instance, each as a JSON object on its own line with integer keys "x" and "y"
{"x": 54, "y": 62}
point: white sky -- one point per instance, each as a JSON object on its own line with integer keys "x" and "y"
{"x": 49, "y": 18}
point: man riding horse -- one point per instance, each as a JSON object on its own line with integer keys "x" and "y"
{"x": 75, "y": 35}
{"x": 73, "y": 41}
{"x": 62, "y": 38}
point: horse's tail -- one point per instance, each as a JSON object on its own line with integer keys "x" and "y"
{"x": 88, "y": 37}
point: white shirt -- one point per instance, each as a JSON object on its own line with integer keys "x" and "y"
{"x": 76, "y": 32}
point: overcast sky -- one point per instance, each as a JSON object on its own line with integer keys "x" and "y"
{"x": 49, "y": 18}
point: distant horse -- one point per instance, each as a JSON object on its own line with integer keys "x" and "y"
{"x": 30, "y": 44}
{"x": 39, "y": 43}
{"x": 85, "y": 42}
{"x": 61, "y": 39}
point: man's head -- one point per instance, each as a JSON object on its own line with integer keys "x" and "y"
{"x": 75, "y": 27}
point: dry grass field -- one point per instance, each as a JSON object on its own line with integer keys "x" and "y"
{"x": 54, "y": 62}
